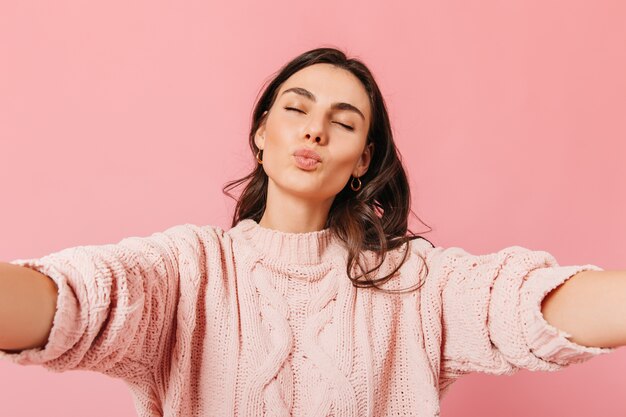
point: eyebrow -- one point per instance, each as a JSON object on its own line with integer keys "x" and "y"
{"x": 338, "y": 106}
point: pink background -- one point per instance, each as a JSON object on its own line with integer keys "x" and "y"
{"x": 124, "y": 118}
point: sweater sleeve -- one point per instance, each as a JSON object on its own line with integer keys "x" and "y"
{"x": 491, "y": 312}
{"x": 113, "y": 303}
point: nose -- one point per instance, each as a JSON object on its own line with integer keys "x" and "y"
{"x": 315, "y": 131}
{"x": 317, "y": 139}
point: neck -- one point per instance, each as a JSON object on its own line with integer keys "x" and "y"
{"x": 293, "y": 214}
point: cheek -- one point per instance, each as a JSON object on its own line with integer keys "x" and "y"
{"x": 345, "y": 157}
{"x": 277, "y": 137}
{"x": 280, "y": 123}
{"x": 339, "y": 169}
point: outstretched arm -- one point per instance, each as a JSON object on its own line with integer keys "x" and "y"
{"x": 591, "y": 307}
{"x": 27, "y": 306}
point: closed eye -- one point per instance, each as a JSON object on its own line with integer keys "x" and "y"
{"x": 300, "y": 111}
{"x": 346, "y": 126}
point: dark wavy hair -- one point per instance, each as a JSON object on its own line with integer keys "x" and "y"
{"x": 373, "y": 219}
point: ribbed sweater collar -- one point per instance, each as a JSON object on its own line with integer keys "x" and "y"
{"x": 306, "y": 248}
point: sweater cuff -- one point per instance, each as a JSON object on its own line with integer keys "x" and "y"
{"x": 65, "y": 322}
{"x": 544, "y": 340}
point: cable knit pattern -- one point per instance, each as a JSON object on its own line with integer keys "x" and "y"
{"x": 199, "y": 321}
{"x": 263, "y": 388}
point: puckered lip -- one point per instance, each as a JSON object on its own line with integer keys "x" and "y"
{"x": 307, "y": 153}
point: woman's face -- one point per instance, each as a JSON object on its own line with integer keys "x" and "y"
{"x": 321, "y": 108}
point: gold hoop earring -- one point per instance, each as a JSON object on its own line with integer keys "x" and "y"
{"x": 257, "y": 157}
{"x": 357, "y": 188}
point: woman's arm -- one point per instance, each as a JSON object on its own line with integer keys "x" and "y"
{"x": 489, "y": 307}
{"x": 591, "y": 307}
{"x": 27, "y": 306}
{"x": 115, "y": 306}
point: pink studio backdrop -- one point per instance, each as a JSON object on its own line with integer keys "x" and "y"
{"x": 124, "y": 118}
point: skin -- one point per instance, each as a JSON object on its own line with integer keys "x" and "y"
{"x": 298, "y": 200}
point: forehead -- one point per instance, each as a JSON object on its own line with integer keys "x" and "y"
{"x": 329, "y": 84}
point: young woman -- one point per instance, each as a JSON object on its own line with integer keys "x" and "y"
{"x": 317, "y": 301}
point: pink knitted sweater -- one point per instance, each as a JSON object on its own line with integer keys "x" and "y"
{"x": 199, "y": 321}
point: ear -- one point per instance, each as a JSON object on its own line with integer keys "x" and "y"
{"x": 259, "y": 136}
{"x": 364, "y": 161}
